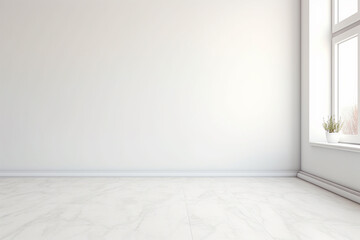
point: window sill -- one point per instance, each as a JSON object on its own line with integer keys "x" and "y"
{"x": 338, "y": 146}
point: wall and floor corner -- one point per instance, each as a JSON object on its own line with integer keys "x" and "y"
{"x": 133, "y": 86}
{"x": 336, "y": 166}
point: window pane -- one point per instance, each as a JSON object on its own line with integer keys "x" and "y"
{"x": 346, "y": 8}
{"x": 348, "y": 85}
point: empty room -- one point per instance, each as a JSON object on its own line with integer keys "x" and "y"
{"x": 179, "y": 120}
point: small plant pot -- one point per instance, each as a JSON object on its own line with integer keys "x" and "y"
{"x": 332, "y": 137}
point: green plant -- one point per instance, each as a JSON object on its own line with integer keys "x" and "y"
{"x": 333, "y": 126}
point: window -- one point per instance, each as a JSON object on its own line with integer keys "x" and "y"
{"x": 345, "y": 13}
{"x": 345, "y": 64}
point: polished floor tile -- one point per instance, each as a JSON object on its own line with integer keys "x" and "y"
{"x": 173, "y": 209}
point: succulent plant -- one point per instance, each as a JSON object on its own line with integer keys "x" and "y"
{"x": 333, "y": 126}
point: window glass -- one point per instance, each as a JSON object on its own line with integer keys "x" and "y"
{"x": 346, "y": 8}
{"x": 348, "y": 85}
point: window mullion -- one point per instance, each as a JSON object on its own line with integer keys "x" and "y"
{"x": 358, "y": 72}
{"x": 334, "y": 79}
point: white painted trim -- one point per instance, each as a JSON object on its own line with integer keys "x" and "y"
{"x": 338, "y": 146}
{"x": 346, "y": 22}
{"x": 330, "y": 186}
{"x": 148, "y": 173}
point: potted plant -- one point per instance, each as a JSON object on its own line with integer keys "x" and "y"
{"x": 332, "y": 128}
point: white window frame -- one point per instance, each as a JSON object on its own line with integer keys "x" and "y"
{"x": 337, "y": 26}
{"x": 353, "y": 32}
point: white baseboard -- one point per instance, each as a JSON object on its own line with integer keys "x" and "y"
{"x": 148, "y": 173}
{"x": 331, "y": 186}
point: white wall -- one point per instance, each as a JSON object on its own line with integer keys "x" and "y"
{"x": 335, "y": 165}
{"x": 150, "y": 85}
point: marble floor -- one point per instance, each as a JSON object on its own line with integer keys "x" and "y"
{"x": 173, "y": 209}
